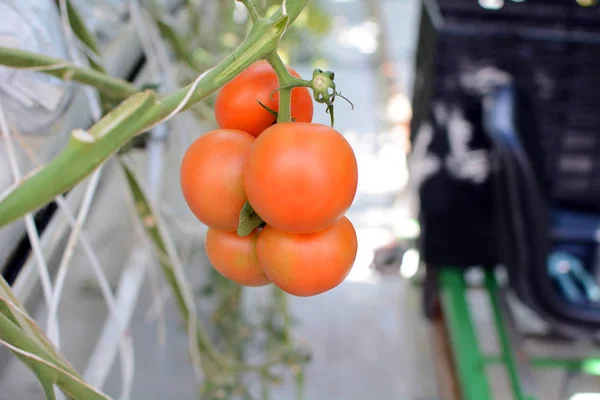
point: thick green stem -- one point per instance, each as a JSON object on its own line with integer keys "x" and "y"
{"x": 131, "y": 118}
{"x": 83, "y": 154}
{"x": 285, "y": 94}
{"x": 286, "y": 83}
{"x": 252, "y": 9}
{"x": 112, "y": 87}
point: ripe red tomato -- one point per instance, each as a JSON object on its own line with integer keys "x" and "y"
{"x": 212, "y": 177}
{"x": 236, "y": 106}
{"x": 235, "y": 257}
{"x": 311, "y": 263}
{"x": 300, "y": 177}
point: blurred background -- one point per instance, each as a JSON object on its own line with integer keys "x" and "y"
{"x": 381, "y": 333}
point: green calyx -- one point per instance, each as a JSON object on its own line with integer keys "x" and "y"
{"x": 322, "y": 85}
{"x": 324, "y": 90}
{"x": 249, "y": 220}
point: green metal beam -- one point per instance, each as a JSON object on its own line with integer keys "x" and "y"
{"x": 589, "y": 366}
{"x": 470, "y": 362}
{"x": 506, "y": 346}
{"x": 468, "y": 359}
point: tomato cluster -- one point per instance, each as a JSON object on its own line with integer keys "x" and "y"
{"x": 299, "y": 177}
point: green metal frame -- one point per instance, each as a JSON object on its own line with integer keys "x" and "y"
{"x": 469, "y": 361}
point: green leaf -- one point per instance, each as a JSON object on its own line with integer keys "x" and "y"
{"x": 249, "y": 220}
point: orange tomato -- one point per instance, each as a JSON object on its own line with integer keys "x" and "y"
{"x": 212, "y": 177}
{"x": 236, "y": 105}
{"x": 300, "y": 177}
{"x": 311, "y": 263}
{"x": 234, "y": 257}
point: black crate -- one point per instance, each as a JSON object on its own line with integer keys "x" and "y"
{"x": 550, "y": 50}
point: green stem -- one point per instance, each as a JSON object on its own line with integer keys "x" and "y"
{"x": 252, "y": 9}
{"x": 287, "y": 82}
{"x": 86, "y": 37}
{"x": 285, "y": 101}
{"x": 300, "y": 383}
{"x": 129, "y": 119}
{"x": 281, "y": 300}
{"x": 293, "y": 8}
{"x": 112, "y": 87}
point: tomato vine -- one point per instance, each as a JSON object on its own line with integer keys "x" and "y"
{"x": 308, "y": 171}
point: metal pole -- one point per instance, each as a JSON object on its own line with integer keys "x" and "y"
{"x": 516, "y": 367}
{"x": 469, "y": 361}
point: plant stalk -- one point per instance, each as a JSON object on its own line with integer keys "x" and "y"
{"x": 114, "y": 88}
{"x": 80, "y": 29}
{"x": 287, "y": 82}
{"x": 252, "y": 10}
{"x": 129, "y": 119}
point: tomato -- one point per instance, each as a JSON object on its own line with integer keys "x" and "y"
{"x": 212, "y": 177}
{"x": 235, "y": 257}
{"x": 236, "y": 106}
{"x": 300, "y": 177}
{"x": 311, "y": 263}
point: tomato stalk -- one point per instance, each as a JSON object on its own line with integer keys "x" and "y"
{"x": 249, "y": 219}
{"x": 90, "y": 149}
{"x": 287, "y": 82}
{"x": 324, "y": 91}
{"x": 114, "y": 88}
{"x": 252, "y": 10}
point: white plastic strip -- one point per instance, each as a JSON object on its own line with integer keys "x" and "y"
{"x": 32, "y": 232}
{"x": 127, "y": 359}
{"x": 114, "y": 306}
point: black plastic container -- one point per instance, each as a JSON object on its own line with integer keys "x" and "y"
{"x": 550, "y": 51}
